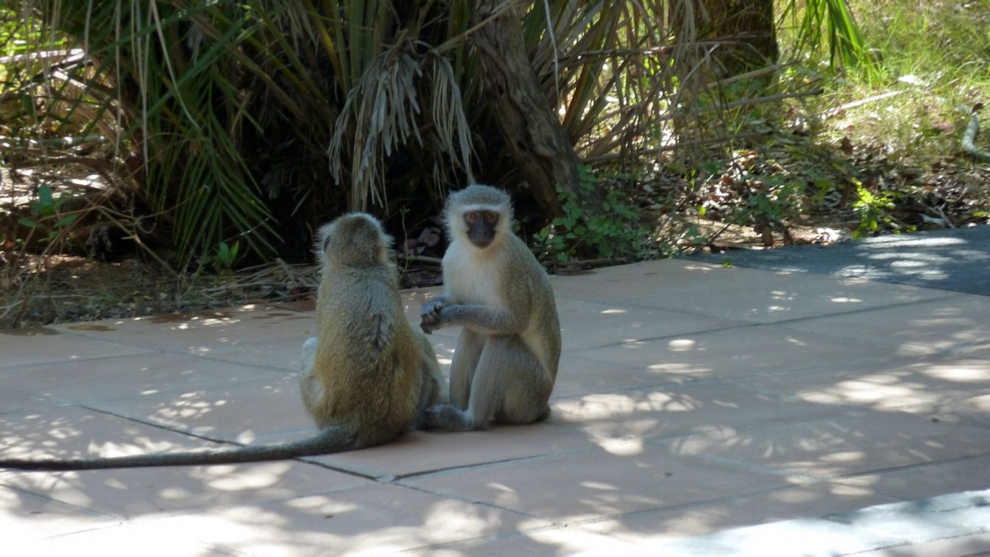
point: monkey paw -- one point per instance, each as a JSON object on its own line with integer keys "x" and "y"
{"x": 430, "y": 315}
{"x": 426, "y": 327}
{"x": 446, "y": 418}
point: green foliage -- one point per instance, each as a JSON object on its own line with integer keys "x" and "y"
{"x": 871, "y": 210}
{"x": 216, "y": 108}
{"x": 224, "y": 258}
{"x": 46, "y": 216}
{"x": 831, "y": 23}
{"x": 610, "y": 231}
{"x": 927, "y": 60}
{"x": 772, "y": 199}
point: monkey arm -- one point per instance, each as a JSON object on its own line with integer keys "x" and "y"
{"x": 430, "y": 314}
{"x": 483, "y": 319}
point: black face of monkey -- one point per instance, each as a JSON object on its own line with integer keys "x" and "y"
{"x": 481, "y": 227}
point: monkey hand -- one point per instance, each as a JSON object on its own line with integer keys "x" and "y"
{"x": 430, "y": 314}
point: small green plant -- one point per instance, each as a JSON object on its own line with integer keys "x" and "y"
{"x": 46, "y": 215}
{"x": 225, "y": 257}
{"x": 610, "y": 231}
{"x": 771, "y": 200}
{"x": 872, "y": 209}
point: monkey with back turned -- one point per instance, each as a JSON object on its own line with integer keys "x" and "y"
{"x": 367, "y": 376}
{"x": 505, "y": 364}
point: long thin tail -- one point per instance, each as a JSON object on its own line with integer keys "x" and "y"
{"x": 330, "y": 440}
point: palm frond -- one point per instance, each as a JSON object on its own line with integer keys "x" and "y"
{"x": 384, "y": 113}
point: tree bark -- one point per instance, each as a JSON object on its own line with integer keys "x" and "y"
{"x": 529, "y": 127}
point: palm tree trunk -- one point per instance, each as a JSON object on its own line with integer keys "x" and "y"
{"x": 529, "y": 128}
{"x": 746, "y": 26}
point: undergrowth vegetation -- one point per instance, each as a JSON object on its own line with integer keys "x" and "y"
{"x": 879, "y": 151}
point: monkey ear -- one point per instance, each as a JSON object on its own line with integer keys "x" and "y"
{"x": 322, "y": 243}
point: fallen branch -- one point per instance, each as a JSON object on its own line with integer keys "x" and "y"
{"x": 867, "y": 100}
{"x": 420, "y": 259}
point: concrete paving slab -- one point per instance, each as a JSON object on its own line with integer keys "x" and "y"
{"x": 592, "y": 324}
{"x": 371, "y": 520}
{"x": 926, "y": 480}
{"x": 853, "y": 443}
{"x": 142, "y": 493}
{"x": 120, "y": 541}
{"x": 691, "y": 400}
{"x": 216, "y": 411}
{"x": 552, "y": 540}
{"x": 200, "y": 332}
{"x": 974, "y": 410}
{"x": 618, "y": 477}
{"x": 954, "y": 260}
{"x": 936, "y": 382}
{"x": 785, "y": 503}
{"x": 421, "y": 452}
{"x": 72, "y": 432}
{"x": 945, "y": 516}
{"x": 772, "y": 297}
{"x": 834, "y": 535}
{"x": 12, "y": 400}
{"x": 956, "y": 523}
{"x": 808, "y": 537}
{"x": 675, "y": 410}
{"x": 958, "y": 324}
{"x": 722, "y": 354}
{"x": 283, "y": 354}
{"x": 28, "y": 518}
{"x": 36, "y": 346}
{"x": 585, "y": 375}
{"x": 971, "y": 545}
{"x": 128, "y": 377}
{"x": 625, "y": 282}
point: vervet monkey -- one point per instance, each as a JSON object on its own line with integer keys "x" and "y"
{"x": 366, "y": 377}
{"x": 505, "y": 364}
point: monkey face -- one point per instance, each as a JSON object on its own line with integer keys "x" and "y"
{"x": 481, "y": 226}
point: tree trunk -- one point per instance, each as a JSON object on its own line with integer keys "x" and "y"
{"x": 738, "y": 35}
{"x": 528, "y": 126}
{"x": 747, "y": 26}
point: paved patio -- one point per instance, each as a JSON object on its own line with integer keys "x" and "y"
{"x": 699, "y": 410}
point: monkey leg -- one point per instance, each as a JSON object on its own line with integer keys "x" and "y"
{"x": 434, "y": 389}
{"x": 509, "y": 385}
{"x": 462, "y": 367}
{"x": 309, "y": 384}
{"x": 523, "y": 384}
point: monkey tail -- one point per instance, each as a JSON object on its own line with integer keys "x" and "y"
{"x": 332, "y": 439}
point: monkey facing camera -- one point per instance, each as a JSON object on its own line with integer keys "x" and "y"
{"x": 367, "y": 377}
{"x": 505, "y": 363}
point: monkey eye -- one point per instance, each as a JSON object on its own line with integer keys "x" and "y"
{"x": 472, "y": 216}
{"x": 491, "y": 216}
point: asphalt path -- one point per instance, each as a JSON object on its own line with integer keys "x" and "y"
{"x": 957, "y": 259}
